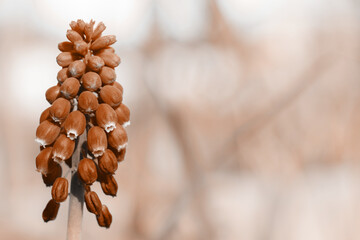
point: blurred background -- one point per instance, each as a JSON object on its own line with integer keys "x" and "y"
{"x": 244, "y": 118}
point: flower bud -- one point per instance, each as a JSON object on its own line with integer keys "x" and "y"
{"x": 89, "y": 29}
{"x": 81, "y": 47}
{"x": 73, "y": 36}
{"x": 60, "y": 189}
{"x": 106, "y": 117}
{"x": 111, "y": 95}
{"x": 44, "y": 161}
{"x": 51, "y": 210}
{"x": 104, "y": 219}
{"x": 120, "y": 156}
{"x": 45, "y": 115}
{"x": 107, "y": 75}
{"x": 78, "y": 26}
{"x": 110, "y": 59}
{"x": 93, "y": 203}
{"x": 52, "y": 175}
{"x": 70, "y": 88}
{"x": 95, "y": 63}
{"x": 65, "y": 58}
{"x": 47, "y": 132}
{"x": 108, "y": 162}
{"x": 91, "y": 81}
{"x": 87, "y": 102}
{"x": 63, "y": 148}
{"x": 87, "y": 171}
{"x": 62, "y": 75}
{"x": 123, "y": 115}
{"x": 52, "y": 93}
{"x": 118, "y": 86}
{"x": 96, "y": 140}
{"x": 66, "y": 46}
{"x": 75, "y": 124}
{"x": 103, "y": 50}
{"x": 77, "y": 68}
{"x": 98, "y": 30}
{"x": 59, "y": 109}
{"x": 102, "y": 42}
{"x": 109, "y": 185}
{"x": 118, "y": 138}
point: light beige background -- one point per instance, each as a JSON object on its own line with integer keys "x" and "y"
{"x": 245, "y": 118}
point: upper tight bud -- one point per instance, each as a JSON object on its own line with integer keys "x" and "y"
{"x": 60, "y": 109}
{"x": 70, "y": 88}
{"x": 111, "y": 95}
{"x": 53, "y": 93}
{"x": 88, "y": 102}
{"x": 91, "y": 81}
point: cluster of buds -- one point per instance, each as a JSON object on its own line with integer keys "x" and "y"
{"x": 86, "y": 98}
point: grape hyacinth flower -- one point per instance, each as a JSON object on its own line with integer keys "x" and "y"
{"x": 84, "y": 128}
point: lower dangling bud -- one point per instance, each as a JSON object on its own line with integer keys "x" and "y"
{"x": 93, "y": 203}
{"x": 104, "y": 219}
{"x": 51, "y": 210}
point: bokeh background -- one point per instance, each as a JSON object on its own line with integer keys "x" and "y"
{"x": 244, "y": 118}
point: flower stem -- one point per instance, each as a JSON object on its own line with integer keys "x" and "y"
{"x": 76, "y": 193}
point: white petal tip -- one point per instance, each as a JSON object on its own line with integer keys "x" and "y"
{"x": 126, "y": 124}
{"x": 109, "y": 127}
{"x": 42, "y": 142}
{"x": 119, "y": 148}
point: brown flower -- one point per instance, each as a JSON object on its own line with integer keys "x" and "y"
{"x": 63, "y": 148}
{"x": 59, "y": 191}
{"x": 118, "y": 138}
{"x": 44, "y": 161}
{"x": 53, "y": 93}
{"x": 77, "y": 68}
{"x": 47, "y": 132}
{"x": 62, "y": 75}
{"x": 123, "y": 115}
{"x": 75, "y": 124}
{"x": 50, "y": 211}
{"x": 107, "y": 75}
{"x": 88, "y": 102}
{"x": 70, "y": 88}
{"x": 52, "y": 175}
{"x": 87, "y": 171}
{"x": 104, "y": 219}
{"x": 108, "y": 162}
{"x": 60, "y": 109}
{"x": 111, "y": 95}
{"x": 93, "y": 203}
{"x": 108, "y": 184}
{"x": 97, "y": 141}
{"x": 106, "y": 117}
{"x": 91, "y": 81}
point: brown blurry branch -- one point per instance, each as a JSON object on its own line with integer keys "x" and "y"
{"x": 265, "y": 116}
